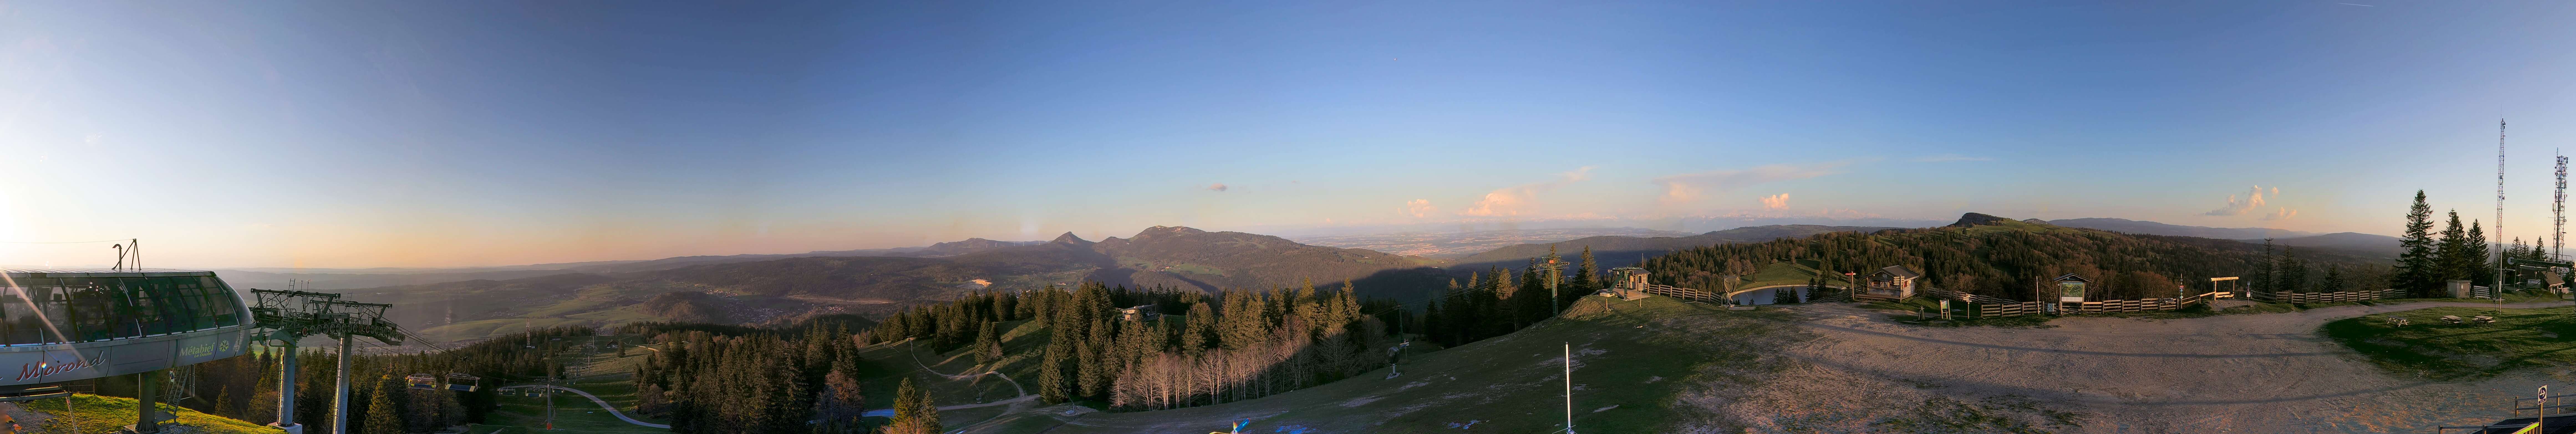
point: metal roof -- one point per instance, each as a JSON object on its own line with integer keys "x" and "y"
{"x": 1901, "y": 271}
{"x": 100, "y": 272}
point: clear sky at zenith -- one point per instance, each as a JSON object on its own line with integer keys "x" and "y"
{"x": 455, "y": 133}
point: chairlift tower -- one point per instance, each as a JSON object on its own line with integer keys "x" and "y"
{"x": 1552, "y": 270}
{"x": 290, "y": 316}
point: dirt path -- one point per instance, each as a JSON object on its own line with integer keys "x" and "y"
{"x": 1016, "y": 403}
{"x": 603, "y": 404}
{"x": 2255, "y": 373}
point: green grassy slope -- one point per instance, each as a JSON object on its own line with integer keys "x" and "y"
{"x": 1635, "y": 360}
{"x": 2519, "y": 338}
{"x": 572, "y": 413}
{"x": 893, "y": 362}
{"x": 608, "y": 376}
{"x": 105, "y": 414}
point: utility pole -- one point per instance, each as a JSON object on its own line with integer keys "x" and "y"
{"x": 1569, "y": 388}
{"x": 1554, "y": 269}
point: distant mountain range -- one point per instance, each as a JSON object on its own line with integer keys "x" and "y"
{"x": 754, "y": 288}
{"x": 1617, "y": 251}
{"x": 2153, "y": 228}
{"x": 275, "y": 278}
{"x": 2355, "y": 243}
{"x": 474, "y": 302}
{"x": 2369, "y": 245}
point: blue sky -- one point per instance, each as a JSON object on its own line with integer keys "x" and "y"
{"x": 327, "y": 134}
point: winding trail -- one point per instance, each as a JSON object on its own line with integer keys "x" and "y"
{"x": 603, "y": 404}
{"x": 916, "y": 361}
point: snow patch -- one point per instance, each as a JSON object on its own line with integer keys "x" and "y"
{"x": 1602, "y": 409}
{"x": 1652, "y": 380}
{"x": 1360, "y": 401}
{"x": 1413, "y": 385}
{"x": 1470, "y": 424}
{"x": 1293, "y": 429}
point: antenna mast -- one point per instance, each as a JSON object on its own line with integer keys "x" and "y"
{"x": 2558, "y": 239}
{"x": 2496, "y": 290}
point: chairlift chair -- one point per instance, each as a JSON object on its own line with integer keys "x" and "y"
{"x": 463, "y": 382}
{"x": 422, "y": 381}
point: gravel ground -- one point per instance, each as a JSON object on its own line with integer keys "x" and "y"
{"x": 2252, "y": 373}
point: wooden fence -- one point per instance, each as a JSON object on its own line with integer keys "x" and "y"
{"x": 1984, "y": 306}
{"x": 2006, "y": 309}
{"x": 1962, "y": 296}
{"x": 2332, "y": 297}
{"x": 1680, "y": 292}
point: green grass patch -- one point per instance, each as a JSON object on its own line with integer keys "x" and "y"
{"x": 1637, "y": 358}
{"x": 493, "y": 429}
{"x": 2520, "y": 338}
{"x": 1781, "y": 273}
{"x": 572, "y": 414}
{"x": 106, "y": 414}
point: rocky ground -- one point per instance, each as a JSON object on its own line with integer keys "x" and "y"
{"x": 2252, "y": 373}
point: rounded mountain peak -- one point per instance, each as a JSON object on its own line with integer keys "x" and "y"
{"x": 1975, "y": 219}
{"x": 1168, "y": 230}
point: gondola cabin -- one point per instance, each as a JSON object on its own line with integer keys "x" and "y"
{"x": 59, "y": 325}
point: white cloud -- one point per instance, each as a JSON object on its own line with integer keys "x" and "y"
{"x": 1216, "y": 187}
{"x": 92, "y": 138}
{"x": 1943, "y": 158}
{"x": 1420, "y": 208}
{"x": 1513, "y": 200}
{"x": 2281, "y": 214}
{"x": 1776, "y": 201}
{"x": 1686, "y": 188}
{"x": 2253, "y": 199}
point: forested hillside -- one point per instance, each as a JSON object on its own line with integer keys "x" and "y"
{"x": 789, "y": 287}
{"x": 2006, "y": 258}
{"x": 1622, "y": 251}
{"x": 246, "y": 387}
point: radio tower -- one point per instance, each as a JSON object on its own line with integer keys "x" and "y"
{"x": 2558, "y": 207}
{"x": 2496, "y": 290}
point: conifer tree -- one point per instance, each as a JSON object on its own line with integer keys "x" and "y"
{"x": 2416, "y": 265}
{"x": 988, "y": 344}
{"x": 2452, "y": 253}
{"x": 914, "y": 413}
{"x": 1054, "y": 383}
{"x": 1582, "y": 281}
{"x": 1199, "y": 330}
{"x": 2475, "y": 256}
{"x": 384, "y": 409}
{"x": 2333, "y": 281}
{"x": 2291, "y": 275}
{"x": 2264, "y": 271}
{"x": 1093, "y": 365}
